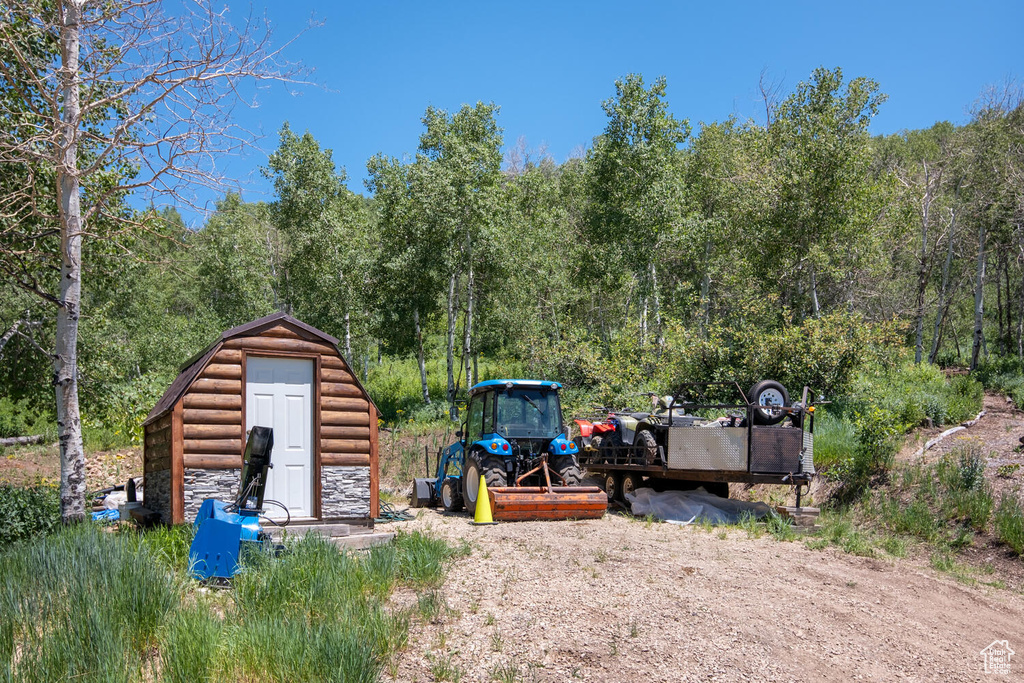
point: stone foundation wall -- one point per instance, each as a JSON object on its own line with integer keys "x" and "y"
{"x": 346, "y": 492}
{"x": 156, "y": 494}
{"x": 203, "y": 484}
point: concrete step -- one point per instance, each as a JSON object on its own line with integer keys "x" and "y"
{"x": 298, "y": 530}
{"x": 363, "y": 541}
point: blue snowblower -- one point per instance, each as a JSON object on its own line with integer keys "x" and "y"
{"x": 226, "y": 531}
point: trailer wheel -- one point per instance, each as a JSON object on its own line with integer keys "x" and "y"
{"x": 646, "y": 448}
{"x": 631, "y": 481}
{"x": 612, "y": 486}
{"x": 568, "y": 469}
{"x": 493, "y": 470}
{"x": 765, "y": 394}
{"x": 451, "y": 496}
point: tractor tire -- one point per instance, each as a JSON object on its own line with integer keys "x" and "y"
{"x": 631, "y": 481}
{"x": 645, "y": 448}
{"x": 568, "y": 469}
{"x": 493, "y": 470}
{"x": 451, "y": 495}
{"x": 768, "y": 393}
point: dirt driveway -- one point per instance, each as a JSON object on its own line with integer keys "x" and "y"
{"x": 620, "y": 600}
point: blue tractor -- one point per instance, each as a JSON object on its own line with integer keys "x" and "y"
{"x": 515, "y": 437}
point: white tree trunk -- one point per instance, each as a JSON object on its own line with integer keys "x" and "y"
{"x": 979, "y": 291}
{"x": 940, "y": 313}
{"x": 451, "y": 347}
{"x": 348, "y": 338}
{"x": 658, "y": 332}
{"x": 419, "y": 357}
{"x": 705, "y": 291}
{"x": 643, "y": 323}
{"x": 922, "y": 267}
{"x": 65, "y": 362}
{"x": 467, "y": 341}
{"x": 815, "y": 308}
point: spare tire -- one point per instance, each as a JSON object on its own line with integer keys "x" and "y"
{"x": 768, "y": 393}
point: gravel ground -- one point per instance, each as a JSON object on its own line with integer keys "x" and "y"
{"x": 620, "y": 600}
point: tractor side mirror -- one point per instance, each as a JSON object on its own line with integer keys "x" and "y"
{"x": 458, "y": 434}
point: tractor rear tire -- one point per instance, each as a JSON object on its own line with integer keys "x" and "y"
{"x": 568, "y": 469}
{"x": 451, "y": 495}
{"x": 493, "y": 470}
{"x": 645, "y": 446}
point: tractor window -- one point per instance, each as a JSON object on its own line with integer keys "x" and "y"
{"x": 489, "y": 413}
{"x": 525, "y": 413}
{"x": 475, "y": 419}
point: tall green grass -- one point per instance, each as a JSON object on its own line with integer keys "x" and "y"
{"x": 1009, "y": 523}
{"x": 86, "y": 605}
{"x": 83, "y": 605}
{"x": 835, "y": 439}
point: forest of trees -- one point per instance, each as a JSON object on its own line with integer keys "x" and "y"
{"x": 663, "y": 233}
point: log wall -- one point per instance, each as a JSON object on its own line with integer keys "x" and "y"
{"x": 212, "y": 414}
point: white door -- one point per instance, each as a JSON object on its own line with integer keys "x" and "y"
{"x": 279, "y": 395}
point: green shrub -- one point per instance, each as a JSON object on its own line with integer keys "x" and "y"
{"x": 822, "y": 353}
{"x": 1004, "y": 374}
{"x": 962, "y": 469}
{"x": 914, "y": 393}
{"x": 115, "y": 411}
{"x": 17, "y": 418}
{"x": 27, "y": 512}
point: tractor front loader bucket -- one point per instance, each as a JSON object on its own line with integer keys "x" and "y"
{"x": 423, "y": 494}
{"x": 525, "y": 503}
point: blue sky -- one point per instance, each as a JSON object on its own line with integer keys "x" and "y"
{"x": 549, "y": 65}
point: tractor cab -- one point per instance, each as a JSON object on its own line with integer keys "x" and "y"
{"x": 524, "y": 413}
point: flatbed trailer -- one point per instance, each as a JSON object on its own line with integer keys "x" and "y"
{"x": 694, "y": 450}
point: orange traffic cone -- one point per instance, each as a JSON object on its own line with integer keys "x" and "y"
{"x": 482, "y": 514}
